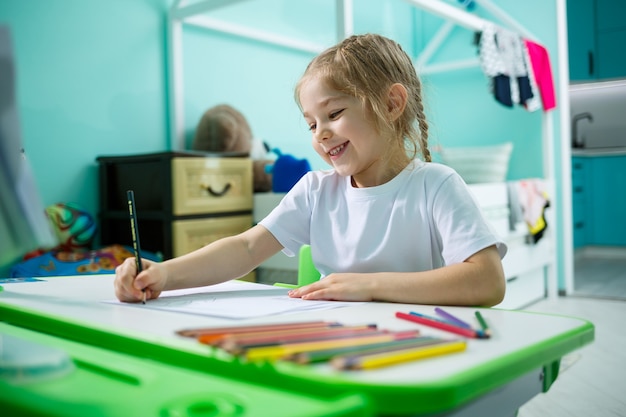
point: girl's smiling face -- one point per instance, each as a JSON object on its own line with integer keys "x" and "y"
{"x": 343, "y": 135}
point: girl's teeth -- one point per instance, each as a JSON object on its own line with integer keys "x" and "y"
{"x": 335, "y": 151}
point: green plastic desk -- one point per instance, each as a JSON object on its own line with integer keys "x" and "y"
{"x": 492, "y": 377}
{"x": 103, "y": 382}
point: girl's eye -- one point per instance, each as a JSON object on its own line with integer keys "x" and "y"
{"x": 312, "y": 127}
{"x": 336, "y": 114}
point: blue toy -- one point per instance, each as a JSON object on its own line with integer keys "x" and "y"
{"x": 286, "y": 171}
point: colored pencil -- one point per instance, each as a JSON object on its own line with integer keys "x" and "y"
{"x": 219, "y": 339}
{"x": 281, "y": 351}
{"x": 437, "y": 324}
{"x": 235, "y": 344}
{"x": 426, "y": 316}
{"x": 134, "y": 230}
{"x": 254, "y": 327}
{"x": 483, "y": 323}
{"x": 328, "y": 339}
{"x": 328, "y": 354}
{"x": 399, "y": 356}
{"x": 451, "y": 318}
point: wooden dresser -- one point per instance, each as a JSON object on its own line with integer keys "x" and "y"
{"x": 184, "y": 200}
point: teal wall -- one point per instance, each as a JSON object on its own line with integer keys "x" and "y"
{"x": 92, "y": 80}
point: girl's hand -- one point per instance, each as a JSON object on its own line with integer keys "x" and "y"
{"x": 128, "y": 285}
{"x": 339, "y": 287}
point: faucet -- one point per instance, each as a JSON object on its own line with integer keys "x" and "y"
{"x": 576, "y": 143}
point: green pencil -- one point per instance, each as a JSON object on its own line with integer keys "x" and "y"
{"x": 483, "y": 323}
{"x": 327, "y": 354}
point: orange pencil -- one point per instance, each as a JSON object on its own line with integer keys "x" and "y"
{"x": 253, "y": 327}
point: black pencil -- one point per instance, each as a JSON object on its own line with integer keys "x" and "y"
{"x": 134, "y": 229}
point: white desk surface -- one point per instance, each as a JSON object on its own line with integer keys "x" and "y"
{"x": 521, "y": 341}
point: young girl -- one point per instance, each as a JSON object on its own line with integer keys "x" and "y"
{"x": 382, "y": 224}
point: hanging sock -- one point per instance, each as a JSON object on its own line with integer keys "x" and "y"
{"x": 502, "y": 90}
{"x": 525, "y": 91}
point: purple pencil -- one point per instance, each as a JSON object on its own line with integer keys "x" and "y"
{"x": 451, "y": 318}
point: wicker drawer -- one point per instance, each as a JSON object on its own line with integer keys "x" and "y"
{"x": 211, "y": 185}
{"x": 189, "y": 235}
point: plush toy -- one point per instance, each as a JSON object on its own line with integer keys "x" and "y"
{"x": 75, "y": 227}
{"x": 224, "y": 129}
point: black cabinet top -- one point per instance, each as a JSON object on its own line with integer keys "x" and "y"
{"x": 167, "y": 155}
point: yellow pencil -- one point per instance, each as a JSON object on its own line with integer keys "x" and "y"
{"x": 399, "y": 356}
{"x": 277, "y": 352}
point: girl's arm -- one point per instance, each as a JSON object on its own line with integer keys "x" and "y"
{"x": 228, "y": 258}
{"x": 478, "y": 281}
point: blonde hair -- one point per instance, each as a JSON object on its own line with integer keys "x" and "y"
{"x": 365, "y": 67}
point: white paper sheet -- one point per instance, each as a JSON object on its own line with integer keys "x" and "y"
{"x": 236, "y": 300}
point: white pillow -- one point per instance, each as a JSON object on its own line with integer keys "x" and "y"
{"x": 479, "y": 164}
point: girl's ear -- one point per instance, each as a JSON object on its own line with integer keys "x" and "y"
{"x": 396, "y": 101}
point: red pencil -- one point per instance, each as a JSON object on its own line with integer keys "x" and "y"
{"x": 440, "y": 325}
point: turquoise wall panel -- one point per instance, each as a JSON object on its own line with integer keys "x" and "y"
{"x": 90, "y": 81}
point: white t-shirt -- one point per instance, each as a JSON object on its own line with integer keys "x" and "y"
{"x": 422, "y": 219}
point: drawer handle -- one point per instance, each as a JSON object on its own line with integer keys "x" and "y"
{"x": 217, "y": 193}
